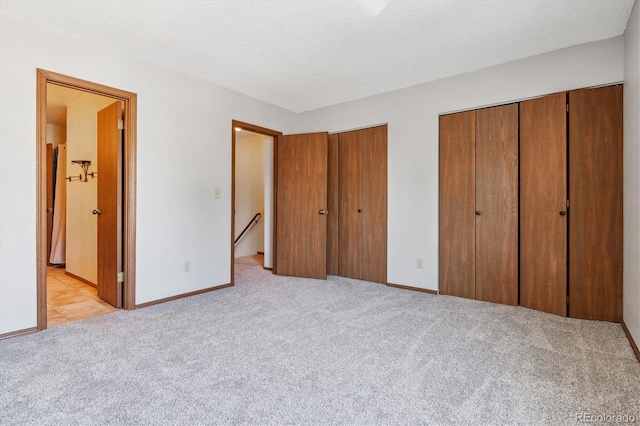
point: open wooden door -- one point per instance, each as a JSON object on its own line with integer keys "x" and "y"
{"x": 109, "y": 211}
{"x": 301, "y": 205}
{"x": 49, "y": 197}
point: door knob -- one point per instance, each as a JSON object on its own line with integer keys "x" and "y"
{"x": 96, "y": 211}
{"x": 323, "y": 212}
{"x": 563, "y": 213}
{"x": 477, "y": 212}
{"x": 359, "y": 210}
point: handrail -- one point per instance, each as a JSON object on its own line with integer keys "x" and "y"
{"x": 251, "y": 222}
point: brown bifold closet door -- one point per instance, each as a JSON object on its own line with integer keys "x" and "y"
{"x": 301, "y": 205}
{"x": 350, "y": 204}
{"x": 333, "y": 246}
{"x": 497, "y": 204}
{"x": 457, "y": 182}
{"x": 362, "y": 204}
{"x": 543, "y": 198}
{"x": 595, "y": 210}
{"x": 374, "y": 204}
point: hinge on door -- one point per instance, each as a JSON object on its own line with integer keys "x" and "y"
{"x": 567, "y": 299}
{"x": 120, "y": 124}
{"x": 567, "y": 107}
{"x": 120, "y": 277}
{"x": 567, "y": 202}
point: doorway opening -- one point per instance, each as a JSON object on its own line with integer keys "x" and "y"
{"x": 97, "y": 247}
{"x": 252, "y": 189}
{"x": 72, "y": 234}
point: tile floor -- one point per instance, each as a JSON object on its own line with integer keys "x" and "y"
{"x": 69, "y": 299}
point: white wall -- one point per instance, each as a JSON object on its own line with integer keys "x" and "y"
{"x": 631, "y": 262}
{"x": 184, "y": 152}
{"x": 412, "y": 115}
{"x": 82, "y": 197}
{"x": 56, "y": 134}
{"x": 249, "y": 192}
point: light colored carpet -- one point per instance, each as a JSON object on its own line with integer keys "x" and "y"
{"x": 278, "y": 350}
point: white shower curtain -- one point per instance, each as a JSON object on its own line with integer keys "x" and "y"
{"x": 58, "y": 237}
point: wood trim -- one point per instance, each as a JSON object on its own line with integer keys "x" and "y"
{"x": 333, "y": 203}
{"x": 371, "y": 126}
{"x": 268, "y": 269}
{"x": 232, "y": 261}
{"x": 440, "y": 114}
{"x": 183, "y": 295}
{"x": 631, "y": 341}
{"x": 84, "y": 85}
{"x": 408, "y": 287}
{"x": 18, "y": 333}
{"x": 130, "y": 99}
{"x": 81, "y": 279}
{"x": 255, "y": 129}
{"x": 274, "y": 211}
{"x": 263, "y": 131}
{"x": 41, "y": 204}
{"x": 129, "y": 197}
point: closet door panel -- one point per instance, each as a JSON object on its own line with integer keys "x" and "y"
{"x": 543, "y": 220}
{"x": 374, "y": 204}
{"x": 497, "y": 204}
{"x": 350, "y": 205}
{"x": 595, "y": 212}
{"x": 333, "y": 246}
{"x": 457, "y": 242}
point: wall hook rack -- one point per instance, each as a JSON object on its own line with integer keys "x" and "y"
{"x": 84, "y": 164}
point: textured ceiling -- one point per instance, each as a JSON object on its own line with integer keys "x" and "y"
{"x": 303, "y": 55}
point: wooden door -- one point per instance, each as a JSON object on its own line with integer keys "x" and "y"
{"x": 301, "y": 204}
{"x": 595, "y": 210}
{"x": 497, "y": 204}
{"x": 543, "y": 197}
{"x": 373, "y": 197}
{"x": 350, "y": 204}
{"x": 49, "y": 166}
{"x": 457, "y": 183}
{"x": 333, "y": 246}
{"x": 109, "y": 209}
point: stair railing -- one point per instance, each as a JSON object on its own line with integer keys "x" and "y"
{"x": 251, "y": 222}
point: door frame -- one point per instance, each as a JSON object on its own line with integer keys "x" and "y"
{"x": 44, "y": 77}
{"x": 263, "y": 131}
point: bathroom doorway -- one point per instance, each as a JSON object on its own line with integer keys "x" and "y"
{"x": 112, "y": 206}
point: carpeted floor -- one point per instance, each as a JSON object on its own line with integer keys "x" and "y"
{"x": 278, "y": 350}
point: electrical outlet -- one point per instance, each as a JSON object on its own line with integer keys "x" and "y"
{"x": 186, "y": 267}
{"x": 419, "y": 263}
